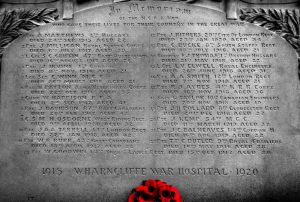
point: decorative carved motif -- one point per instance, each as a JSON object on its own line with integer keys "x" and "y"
{"x": 184, "y": 1}
{"x": 285, "y": 23}
{"x": 187, "y": 1}
{"x": 17, "y": 22}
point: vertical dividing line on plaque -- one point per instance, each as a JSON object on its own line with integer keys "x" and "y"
{"x": 149, "y": 87}
{"x": 68, "y": 9}
{"x": 231, "y": 8}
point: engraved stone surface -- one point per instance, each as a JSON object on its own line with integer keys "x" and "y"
{"x": 90, "y": 107}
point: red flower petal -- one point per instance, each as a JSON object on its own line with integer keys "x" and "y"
{"x": 132, "y": 198}
{"x": 175, "y": 194}
{"x": 145, "y": 198}
{"x": 160, "y": 183}
{"x": 147, "y": 190}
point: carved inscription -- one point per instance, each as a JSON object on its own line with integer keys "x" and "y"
{"x": 203, "y": 90}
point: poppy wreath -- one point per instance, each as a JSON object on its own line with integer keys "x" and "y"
{"x": 155, "y": 191}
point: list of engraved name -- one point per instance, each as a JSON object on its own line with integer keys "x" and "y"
{"x": 148, "y": 87}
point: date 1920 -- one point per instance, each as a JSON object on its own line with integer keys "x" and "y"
{"x": 246, "y": 171}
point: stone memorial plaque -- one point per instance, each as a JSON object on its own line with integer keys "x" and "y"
{"x": 91, "y": 107}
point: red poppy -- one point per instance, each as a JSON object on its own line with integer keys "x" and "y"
{"x": 155, "y": 190}
{"x": 143, "y": 194}
{"x": 164, "y": 192}
{"x": 152, "y": 188}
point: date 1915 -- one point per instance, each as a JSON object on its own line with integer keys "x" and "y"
{"x": 52, "y": 171}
